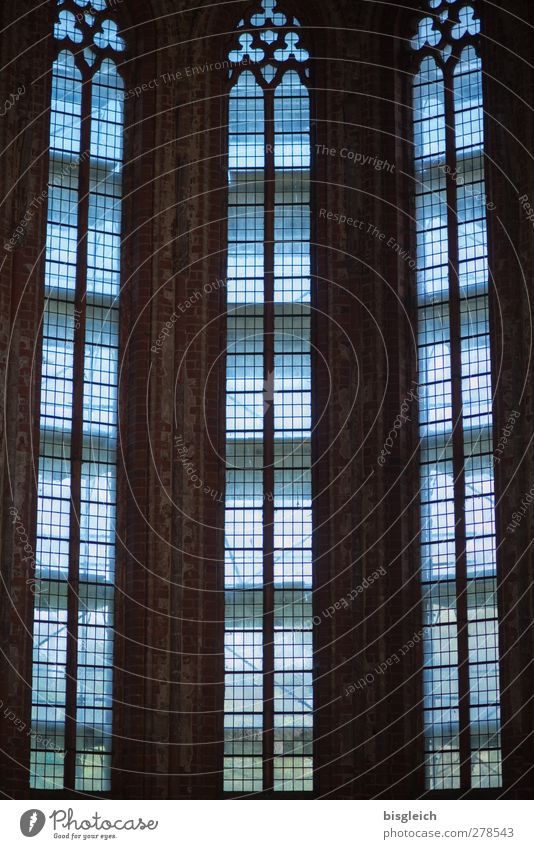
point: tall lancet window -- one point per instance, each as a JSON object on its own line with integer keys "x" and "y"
{"x": 73, "y": 620}
{"x": 461, "y": 669}
{"x": 268, "y": 569}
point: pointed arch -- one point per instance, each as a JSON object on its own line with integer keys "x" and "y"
{"x": 75, "y": 557}
{"x": 268, "y": 647}
{"x": 461, "y": 673}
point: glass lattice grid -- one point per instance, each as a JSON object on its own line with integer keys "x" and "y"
{"x": 96, "y": 509}
{"x": 293, "y": 638}
{"x": 243, "y": 705}
{"x": 54, "y": 486}
{"x": 486, "y": 768}
{"x": 251, "y": 392}
{"x": 438, "y": 469}
{"x": 100, "y": 401}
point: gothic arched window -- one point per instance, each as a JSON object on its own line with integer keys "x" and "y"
{"x": 73, "y": 620}
{"x": 461, "y": 671}
{"x": 268, "y": 565}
